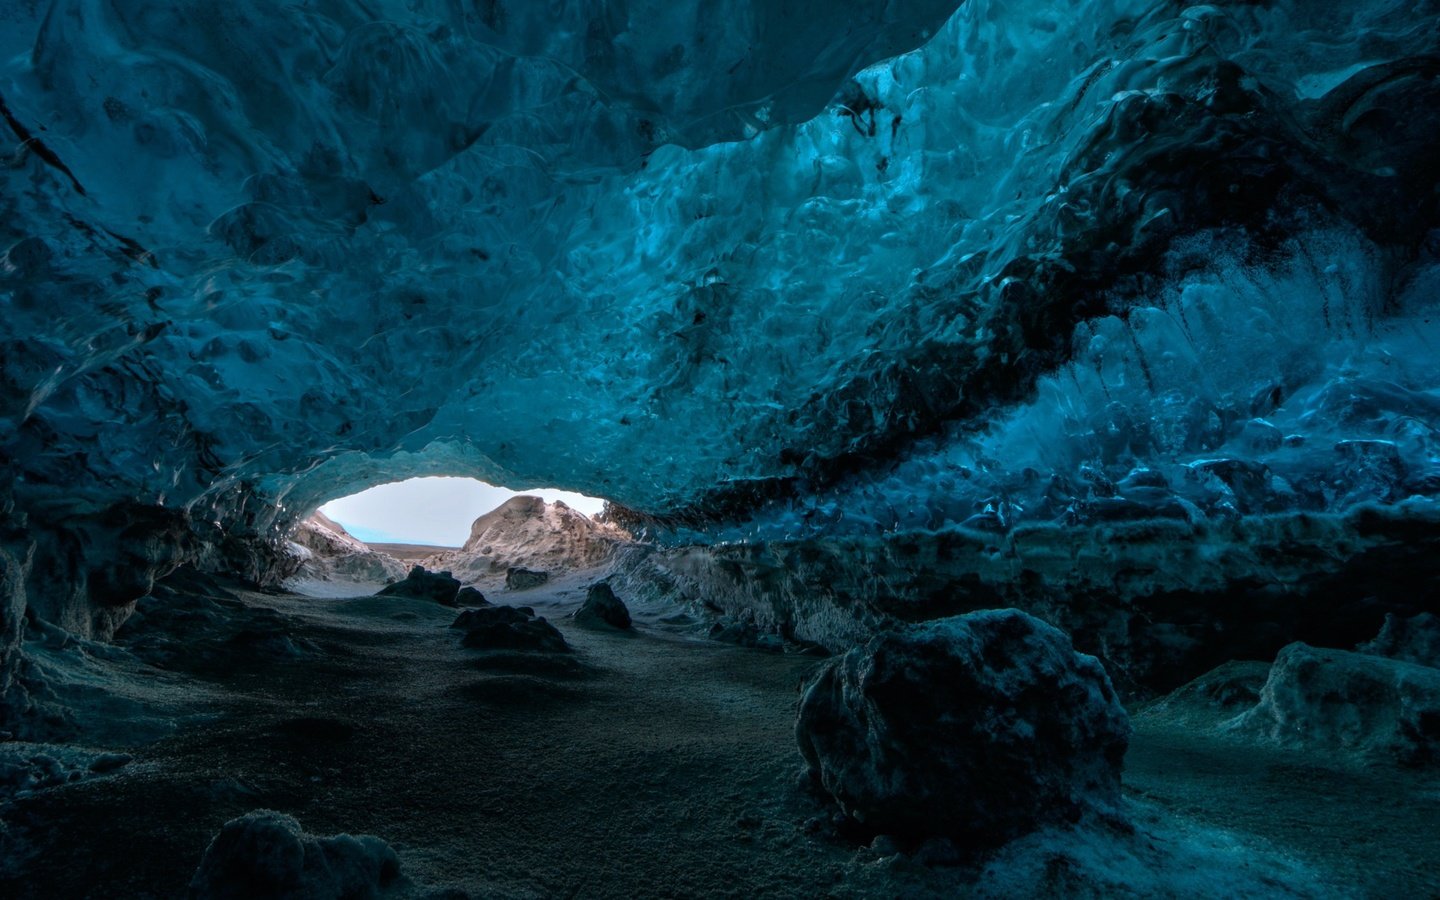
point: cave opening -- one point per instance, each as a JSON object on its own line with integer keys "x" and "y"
{"x": 434, "y": 511}
{"x": 448, "y": 534}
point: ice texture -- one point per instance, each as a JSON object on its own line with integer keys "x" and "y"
{"x": 750, "y": 269}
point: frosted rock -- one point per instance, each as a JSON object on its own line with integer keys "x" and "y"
{"x": 1415, "y": 639}
{"x": 602, "y": 608}
{"x": 1353, "y": 702}
{"x": 979, "y": 728}
{"x": 266, "y": 854}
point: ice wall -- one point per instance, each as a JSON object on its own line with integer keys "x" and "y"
{"x": 748, "y": 268}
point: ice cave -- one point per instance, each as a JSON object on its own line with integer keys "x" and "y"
{"x": 1018, "y": 424}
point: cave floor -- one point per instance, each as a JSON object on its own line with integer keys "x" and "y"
{"x": 649, "y": 764}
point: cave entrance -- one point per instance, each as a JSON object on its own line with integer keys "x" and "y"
{"x": 478, "y": 533}
{"x": 433, "y": 511}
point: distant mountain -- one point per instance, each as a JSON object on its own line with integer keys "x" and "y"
{"x": 330, "y": 553}
{"x": 527, "y": 531}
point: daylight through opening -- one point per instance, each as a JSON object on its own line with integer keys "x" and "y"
{"x": 434, "y": 512}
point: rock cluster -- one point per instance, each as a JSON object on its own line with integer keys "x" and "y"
{"x": 509, "y": 628}
{"x": 978, "y": 728}
{"x": 437, "y": 587}
{"x": 267, "y": 854}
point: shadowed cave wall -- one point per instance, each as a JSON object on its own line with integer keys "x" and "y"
{"x": 828, "y": 280}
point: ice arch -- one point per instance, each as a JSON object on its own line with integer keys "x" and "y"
{"x": 803, "y": 265}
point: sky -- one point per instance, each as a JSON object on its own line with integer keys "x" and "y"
{"x": 435, "y": 511}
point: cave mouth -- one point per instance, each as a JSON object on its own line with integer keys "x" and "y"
{"x": 434, "y": 511}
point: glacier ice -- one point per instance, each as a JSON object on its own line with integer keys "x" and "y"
{"x": 750, "y": 269}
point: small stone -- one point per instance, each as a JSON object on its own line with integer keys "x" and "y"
{"x": 109, "y": 762}
{"x": 885, "y": 845}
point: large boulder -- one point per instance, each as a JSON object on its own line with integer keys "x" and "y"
{"x": 602, "y": 609}
{"x": 1371, "y": 706}
{"x": 267, "y": 854}
{"x": 509, "y": 628}
{"x": 978, "y": 728}
{"x": 437, "y": 587}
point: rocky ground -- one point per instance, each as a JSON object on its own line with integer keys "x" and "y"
{"x": 650, "y": 763}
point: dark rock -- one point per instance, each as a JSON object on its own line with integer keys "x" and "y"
{"x": 469, "y": 596}
{"x": 1416, "y": 639}
{"x": 518, "y": 578}
{"x": 743, "y": 631}
{"x": 266, "y": 854}
{"x": 979, "y": 728}
{"x": 602, "y": 609}
{"x": 1353, "y": 702}
{"x": 109, "y": 762}
{"x": 437, "y": 587}
{"x": 509, "y": 628}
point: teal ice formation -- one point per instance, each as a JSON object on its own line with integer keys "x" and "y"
{"x": 753, "y": 270}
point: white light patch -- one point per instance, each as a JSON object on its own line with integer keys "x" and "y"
{"x": 434, "y": 511}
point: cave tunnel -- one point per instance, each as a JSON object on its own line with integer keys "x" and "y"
{"x": 1017, "y": 424}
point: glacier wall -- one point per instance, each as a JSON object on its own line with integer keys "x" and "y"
{"x": 752, "y": 270}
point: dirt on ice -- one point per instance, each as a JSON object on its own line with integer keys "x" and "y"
{"x": 647, "y": 764}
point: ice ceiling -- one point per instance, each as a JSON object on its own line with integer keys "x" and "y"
{"x": 801, "y": 264}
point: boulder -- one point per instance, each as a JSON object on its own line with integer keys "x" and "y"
{"x": 602, "y": 609}
{"x": 509, "y": 628}
{"x": 1416, "y": 639}
{"x": 978, "y": 728}
{"x": 518, "y": 578}
{"x": 1371, "y": 706}
{"x": 266, "y": 854}
{"x": 437, "y": 587}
